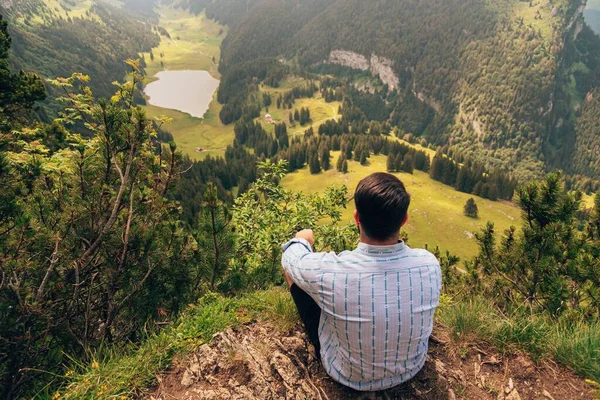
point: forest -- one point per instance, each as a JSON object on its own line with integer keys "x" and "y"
{"x": 97, "y": 42}
{"x": 502, "y": 82}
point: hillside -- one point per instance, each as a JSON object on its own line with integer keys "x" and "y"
{"x": 496, "y": 81}
{"x": 259, "y": 362}
{"x": 57, "y": 38}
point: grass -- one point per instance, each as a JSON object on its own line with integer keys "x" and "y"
{"x": 436, "y": 213}
{"x": 128, "y": 373}
{"x": 195, "y": 41}
{"x": 190, "y": 133}
{"x": 572, "y": 344}
{"x": 320, "y": 110}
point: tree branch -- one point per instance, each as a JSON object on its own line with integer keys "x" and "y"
{"x": 53, "y": 261}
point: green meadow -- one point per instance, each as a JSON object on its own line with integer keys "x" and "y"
{"x": 195, "y": 44}
{"x": 436, "y": 212}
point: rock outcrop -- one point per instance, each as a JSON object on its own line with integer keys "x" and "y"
{"x": 258, "y": 362}
{"x": 378, "y": 66}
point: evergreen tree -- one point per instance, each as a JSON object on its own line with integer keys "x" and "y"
{"x": 363, "y": 157}
{"x": 407, "y": 164}
{"x": 348, "y": 151}
{"x": 340, "y": 163}
{"x": 325, "y": 159}
{"x": 399, "y": 162}
{"x": 345, "y": 167}
{"x": 18, "y": 92}
{"x": 391, "y": 163}
{"x": 214, "y": 235}
{"x": 314, "y": 165}
{"x": 470, "y": 209}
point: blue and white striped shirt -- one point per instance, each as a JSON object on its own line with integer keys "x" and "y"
{"x": 377, "y": 305}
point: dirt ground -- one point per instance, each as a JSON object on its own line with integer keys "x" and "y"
{"x": 258, "y": 362}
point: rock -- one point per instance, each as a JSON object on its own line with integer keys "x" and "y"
{"x": 547, "y": 395}
{"x": 451, "y": 395}
{"x": 513, "y": 395}
{"x": 378, "y": 66}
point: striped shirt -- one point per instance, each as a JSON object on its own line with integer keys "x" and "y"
{"x": 377, "y": 305}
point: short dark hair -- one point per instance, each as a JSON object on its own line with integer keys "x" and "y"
{"x": 382, "y": 203}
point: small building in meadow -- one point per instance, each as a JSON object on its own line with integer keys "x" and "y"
{"x": 269, "y": 118}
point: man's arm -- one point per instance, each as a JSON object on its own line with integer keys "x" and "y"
{"x": 293, "y": 253}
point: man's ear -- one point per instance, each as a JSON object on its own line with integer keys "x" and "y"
{"x": 356, "y": 220}
{"x": 405, "y": 220}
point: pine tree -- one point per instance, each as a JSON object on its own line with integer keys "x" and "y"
{"x": 391, "y": 163}
{"x": 363, "y": 157}
{"x": 470, "y": 209}
{"x": 340, "y": 163}
{"x": 407, "y": 164}
{"x": 348, "y": 151}
{"x": 314, "y": 165}
{"x": 213, "y": 235}
{"x": 325, "y": 159}
{"x": 399, "y": 162}
{"x": 345, "y": 167}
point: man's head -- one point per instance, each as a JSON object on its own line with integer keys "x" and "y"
{"x": 381, "y": 205}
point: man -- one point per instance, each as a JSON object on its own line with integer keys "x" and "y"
{"x": 368, "y": 312}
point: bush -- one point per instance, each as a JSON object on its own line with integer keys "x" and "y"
{"x": 470, "y": 209}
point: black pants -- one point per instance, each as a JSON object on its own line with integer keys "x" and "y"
{"x": 310, "y": 313}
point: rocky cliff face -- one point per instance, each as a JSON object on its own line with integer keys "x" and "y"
{"x": 379, "y": 66}
{"x": 6, "y": 4}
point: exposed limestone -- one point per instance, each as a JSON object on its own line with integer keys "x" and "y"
{"x": 6, "y": 4}
{"x": 378, "y": 66}
{"x": 349, "y": 59}
{"x": 258, "y": 362}
{"x": 576, "y": 16}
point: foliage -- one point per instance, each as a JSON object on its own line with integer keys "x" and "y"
{"x": 128, "y": 372}
{"x": 549, "y": 264}
{"x": 18, "y": 92}
{"x": 95, "y": 43}
{"x": 214, "y": 236}
{"x": 488, "y": 79}
{"x": 470, "y": 209}
{"x": 93, "y": 248}
{"x": 267, "y": 215}
{"x": 570, "y": 341}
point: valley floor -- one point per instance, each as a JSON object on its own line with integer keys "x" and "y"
{"x": 257, "y": 361}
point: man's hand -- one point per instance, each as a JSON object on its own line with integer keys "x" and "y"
{"x": 306, "y": 234}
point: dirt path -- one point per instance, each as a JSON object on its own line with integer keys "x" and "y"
{"x": 258, "y": 362}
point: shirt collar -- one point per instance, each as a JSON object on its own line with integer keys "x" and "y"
{"x": 381, "y": 250}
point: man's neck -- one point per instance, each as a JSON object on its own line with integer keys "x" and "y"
{"x": 388, "y": 242}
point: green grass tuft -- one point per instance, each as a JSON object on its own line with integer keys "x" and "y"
{"x": 578, "y": 346}
{"x": 128, "y": 372}
{"x": 572, "y": 343}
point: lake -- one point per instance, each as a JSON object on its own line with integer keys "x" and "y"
{"x": 187, "y": 91}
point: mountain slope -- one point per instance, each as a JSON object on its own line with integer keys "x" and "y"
{"x": 488, "y": 74}
{"x": 57, "y": 38}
